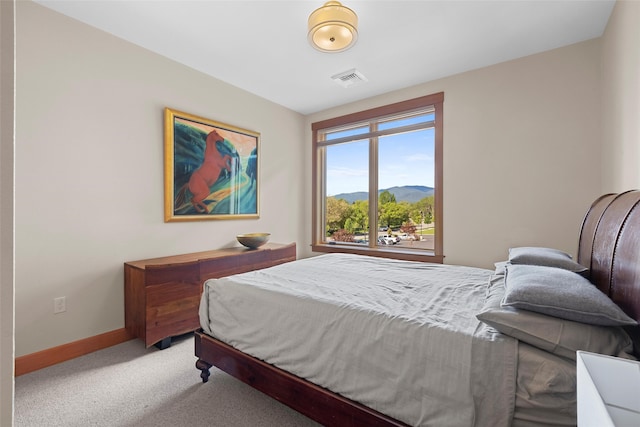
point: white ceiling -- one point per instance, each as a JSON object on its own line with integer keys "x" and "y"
{"x": 261, "y": 46}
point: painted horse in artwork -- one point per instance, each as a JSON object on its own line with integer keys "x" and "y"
{"x": 207, "y": 173}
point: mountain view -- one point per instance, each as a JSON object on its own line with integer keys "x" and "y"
{"x": 406, "y": 193}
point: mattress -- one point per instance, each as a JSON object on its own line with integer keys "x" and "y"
{"x": 397, "y": 336}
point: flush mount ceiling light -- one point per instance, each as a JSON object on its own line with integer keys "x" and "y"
{"x": 333, "y": 27}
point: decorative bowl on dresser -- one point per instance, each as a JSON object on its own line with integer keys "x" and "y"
{"x": 162, "y": 295}
{"x": 253, "y": 240}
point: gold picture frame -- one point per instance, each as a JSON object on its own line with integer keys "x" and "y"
{"x": 210, "y": 169}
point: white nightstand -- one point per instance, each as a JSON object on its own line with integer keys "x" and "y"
{"x": 608, "y": 391}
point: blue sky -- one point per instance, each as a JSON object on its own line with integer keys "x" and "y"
{"x": 404, "y": 159}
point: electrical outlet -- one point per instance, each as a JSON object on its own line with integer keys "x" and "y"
{"x": 59, "y": 305}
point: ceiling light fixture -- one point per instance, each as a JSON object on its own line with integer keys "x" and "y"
{"x": 333, "y": 27}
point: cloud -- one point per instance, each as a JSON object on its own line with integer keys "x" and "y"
{"x": 347, "y": 172}
{"x": 418, "y": 157}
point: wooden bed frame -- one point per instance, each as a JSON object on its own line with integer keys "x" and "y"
{"x": 609, "y": 245}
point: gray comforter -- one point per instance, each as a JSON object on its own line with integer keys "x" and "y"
{"x": 400, "y": 337}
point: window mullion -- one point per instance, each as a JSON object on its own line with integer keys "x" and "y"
{"x": 373, "y": 187}
{"x": 322, "y": 190}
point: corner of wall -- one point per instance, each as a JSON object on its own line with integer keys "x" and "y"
{"x": 7, "y": 114}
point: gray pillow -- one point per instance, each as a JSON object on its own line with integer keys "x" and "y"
{"x": 560, "y": 293}
{"x": 500, "y": 268}
{"x": 546, "y": 257}
{"x": 558, "y": 336}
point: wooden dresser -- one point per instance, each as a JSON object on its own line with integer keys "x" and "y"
{"x": 162, "y": 295}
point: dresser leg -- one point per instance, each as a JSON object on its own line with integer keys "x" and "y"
{"x": 165, "y": 343}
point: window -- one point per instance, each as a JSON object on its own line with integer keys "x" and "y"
{"x": 377, "y": 181}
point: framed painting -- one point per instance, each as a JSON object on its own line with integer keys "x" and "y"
{"x": 210, "y": 170}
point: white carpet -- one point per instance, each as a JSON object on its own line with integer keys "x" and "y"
{"x": 129, "y": 385}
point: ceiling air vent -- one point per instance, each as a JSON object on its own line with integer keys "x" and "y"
{"x": 349, "y": 78}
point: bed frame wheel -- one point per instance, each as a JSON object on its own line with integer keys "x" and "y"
{"x": 204, "y": 367}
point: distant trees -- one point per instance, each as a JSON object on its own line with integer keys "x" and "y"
{"x": 358, "y": 217}
{"x": 337, "y": 212}
{"x": 386, "y": 197}
{"x": 343, "y": 235}
{"x": 393, "y": 214}
{"x": 409, "y": 228}
{"x": 423, "y": 210}
{"x": 354, "y": 218}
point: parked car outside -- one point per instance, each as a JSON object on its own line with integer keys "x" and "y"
{"x": 387, "y": 240}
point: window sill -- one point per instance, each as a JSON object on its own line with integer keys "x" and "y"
{"x": 403, "y": 254}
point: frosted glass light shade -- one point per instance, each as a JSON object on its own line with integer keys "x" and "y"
{"x": 333, "y": 27}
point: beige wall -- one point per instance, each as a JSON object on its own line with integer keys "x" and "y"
{"x": 621, "y": 99}
{"x": 89, "y": 171}
{"x": 6, "y": 210}
{"x": 521, "y": 156}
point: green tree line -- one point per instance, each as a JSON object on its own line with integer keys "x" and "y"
{"x": 354, "y": 218}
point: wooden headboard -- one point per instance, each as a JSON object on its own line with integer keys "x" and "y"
{"x": 610, "y": 247}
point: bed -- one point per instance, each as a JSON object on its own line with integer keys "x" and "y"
{"x": 351, "y": 340}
